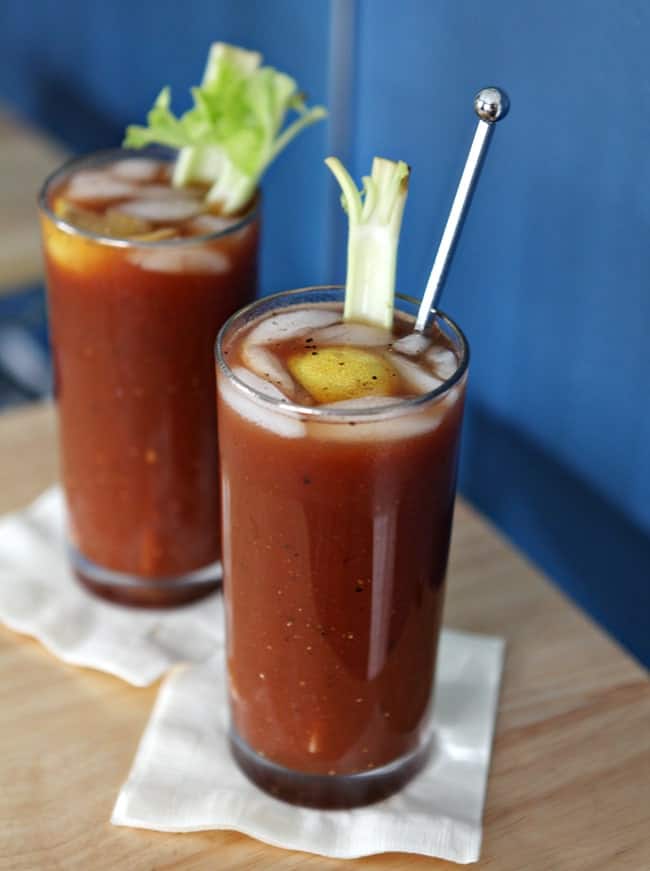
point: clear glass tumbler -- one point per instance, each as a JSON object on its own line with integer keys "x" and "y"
{"x": 133, "y": 325}
{"x": 336, "y": 529}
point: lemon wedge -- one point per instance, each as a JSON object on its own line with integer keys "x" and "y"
{"x": 334, "y": 374}
{"x": 71, "y": 251}
{"x": 81, "y": 254}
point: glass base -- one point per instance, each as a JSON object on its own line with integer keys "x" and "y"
{"x": 127, "y": 589}
{"x": 325, "y": 791}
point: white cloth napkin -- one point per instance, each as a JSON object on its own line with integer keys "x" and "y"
{"x": 183, "y": 778}
{"x": 39, "y": 596}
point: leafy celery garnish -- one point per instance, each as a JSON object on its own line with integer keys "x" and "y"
{"x": 234, "y": 130}
{"x": 375, "y": 219}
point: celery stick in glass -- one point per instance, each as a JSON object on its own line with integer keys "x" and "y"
{"x": 233, "y": 131}
{"x": 375, "y": 219}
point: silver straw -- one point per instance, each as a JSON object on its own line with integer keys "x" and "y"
{"x": 491, "y": 105}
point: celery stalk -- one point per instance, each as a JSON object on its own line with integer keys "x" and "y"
{"x": 375, "y": 219}
{"x": 233, "y": 131}
{"x": 205, "y": 163}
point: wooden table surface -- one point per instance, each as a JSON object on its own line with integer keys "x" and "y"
{"x": 569, "y": 784}
{"x": 26, "y": 158}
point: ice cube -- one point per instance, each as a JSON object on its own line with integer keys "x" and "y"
{"x": 361, "y": 403}
{"x": 266, "y": 365}
{"x": 291, "y": 324}
{"x": 121, "y": 226}
{"x": 362, "y": 335}
{"x": 179, "y": 259}
{"x": 443, "y": 361}
{"x": 162, "y": 211}
{"x": 205, "y": 225}
{"x": 257, "y": 382}
{"x": 407, "y": 426}
{"x": 110, "y": 223}
{"x": 416, "y": 377}
{"x": 156, "y": 235}
{"x": 137, "y": 169}
{"x": 412, "y": 345}
{"x": 96, "y": 185}
{"x": 164, "y": 192}
{"x": 82, "y": 219}
{"x": 452, "y": 396}
{"x": 379, "y": 428}
{"x": 254, "y": 410}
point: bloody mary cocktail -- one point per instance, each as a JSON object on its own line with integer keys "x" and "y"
{"x": 140, "y": 278}
{"x": 145, "y": 261}
{"x": 337, "y": 512}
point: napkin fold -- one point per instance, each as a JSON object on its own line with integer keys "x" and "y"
{"x": 39, "y": 596}
{"x": 183, "y": 778}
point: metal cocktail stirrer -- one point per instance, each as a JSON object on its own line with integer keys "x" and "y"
{"x": 491, "y": 105}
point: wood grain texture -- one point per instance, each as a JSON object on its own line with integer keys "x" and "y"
{"x": 26, "y": 159}
{"x": 570, "y": 780}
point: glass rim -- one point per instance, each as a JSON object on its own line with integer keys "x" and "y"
{"x": 333, "y": 414}
{"x": 122, "y": 242}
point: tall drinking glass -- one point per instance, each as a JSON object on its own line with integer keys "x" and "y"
{"x": 133, "y": 323}
{"x": 336, "y": 526}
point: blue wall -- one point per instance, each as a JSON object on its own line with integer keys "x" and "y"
{"x": 550, "y": 279}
